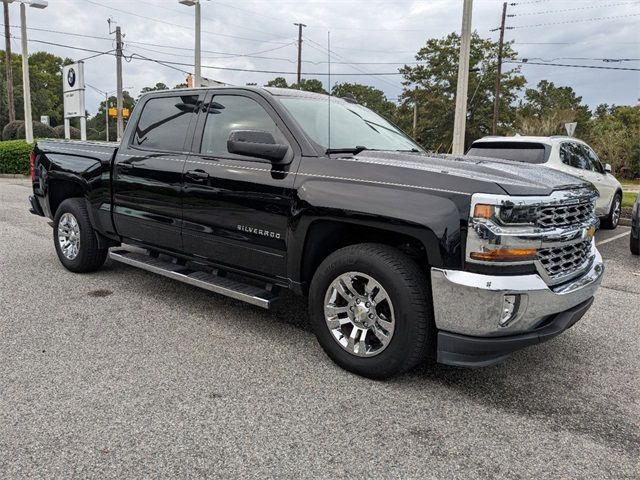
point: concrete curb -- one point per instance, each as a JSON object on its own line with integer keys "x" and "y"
{"x": 13, "y": 175}
{"x": 625, "y": 222}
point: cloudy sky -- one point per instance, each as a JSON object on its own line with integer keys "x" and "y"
{"x": 260, "y": 35}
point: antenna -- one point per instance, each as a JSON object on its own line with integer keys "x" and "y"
{"x": 329, "y": 86}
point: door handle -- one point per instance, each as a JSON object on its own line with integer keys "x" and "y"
{"x": 197, "y": 175}
{"x": 125, "y": 166}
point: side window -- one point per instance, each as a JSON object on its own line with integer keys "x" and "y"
{"x": 591, "y": 156}
{"x": 232, "y": 112}
{"x": 164, "y": 122}
{"x": 571, "y": 154}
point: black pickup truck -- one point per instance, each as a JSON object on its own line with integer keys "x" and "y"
{"x": 404, "y": 255}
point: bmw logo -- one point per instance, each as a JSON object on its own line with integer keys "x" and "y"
{"x": 71, "y": 77}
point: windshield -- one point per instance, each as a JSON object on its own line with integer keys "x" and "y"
{"x": 527, "y": 152}
{"x": 351, "y": 125}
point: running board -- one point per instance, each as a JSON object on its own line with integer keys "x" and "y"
{"x": 214, "y": 283}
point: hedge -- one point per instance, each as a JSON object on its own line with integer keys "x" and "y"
{"x": 40, "y": 130}
{"x": 75, "y": 132}
{"x": 14, "y": 156}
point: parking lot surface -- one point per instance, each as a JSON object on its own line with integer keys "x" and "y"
{"x": 125, "y": 374}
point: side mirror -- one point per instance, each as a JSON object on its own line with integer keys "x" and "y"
{"x": 607, "y": 167}
{"x": 256, "y": 143}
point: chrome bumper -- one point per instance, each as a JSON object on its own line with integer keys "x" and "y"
{"x": 472, "y": 304}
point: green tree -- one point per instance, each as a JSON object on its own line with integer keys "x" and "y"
{"x": 308, "y": 85}
{"x": 45, "y": 74}
{"x": 546, "y": 108}
{"x": 279, "y": 82}
{"x": 366, "y": 95}
{"x": 156, "y": 87}
{"x": 615, "y": 136}
{"x": 96, "y": 124}
{"x": 432, "y": 86}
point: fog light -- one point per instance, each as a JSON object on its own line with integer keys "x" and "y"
{"x": 510, "y": 305}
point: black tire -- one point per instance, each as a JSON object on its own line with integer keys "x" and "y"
{"x": 634, "y": 243}
{"x": 408, "y": 288}
{"x": 89, "y": 257}
{"x": 610, "y": 222}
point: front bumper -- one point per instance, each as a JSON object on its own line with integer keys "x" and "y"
{"x": 467, "y": 351}
{"x": 471, "y": 305}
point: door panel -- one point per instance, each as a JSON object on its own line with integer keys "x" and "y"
{"x": 236, "y": 209}
{"x": 147, "y": 177}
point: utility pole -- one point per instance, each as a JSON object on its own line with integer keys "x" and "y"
{"x": 300, "y": 25}
{"x": 459, "y": 122}
{"x": 415, "y": 119}
{"x": 119, "y": 123}
{"x": 28, "y": 120}
{"x": 496, "y": 100}
{"x": 106, "y": 114}
{"x": 7, "y": 63}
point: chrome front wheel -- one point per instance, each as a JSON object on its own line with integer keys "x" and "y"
{"x": 359, "y": 314}
{"x": 69, "y": 236}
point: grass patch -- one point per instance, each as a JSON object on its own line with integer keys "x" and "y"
{"x": 628, "y": 199}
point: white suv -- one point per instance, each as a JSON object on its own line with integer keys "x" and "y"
{"x": 567, "y": 154}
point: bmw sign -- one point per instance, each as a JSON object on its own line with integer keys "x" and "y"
{"x": 71, "y": 77}
{"x": 73, "y": 90}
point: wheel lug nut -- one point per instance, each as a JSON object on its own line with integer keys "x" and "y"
{"x": 365, "y": 324}
{"x": 351, "y": 308}
{"x": 371, "y": 315}
{"x": 367, "y": 304}
{"x": 357, "y": 300}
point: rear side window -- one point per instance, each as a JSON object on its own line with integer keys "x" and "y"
{"x": 164, "y": 123}
{"x": 573, "y": 155}
{"x": 527, "y": 152}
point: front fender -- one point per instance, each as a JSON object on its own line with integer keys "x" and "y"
{"x": 434, "y": 218}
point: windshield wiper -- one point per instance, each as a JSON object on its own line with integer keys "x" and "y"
{"x": 353, "y": 150}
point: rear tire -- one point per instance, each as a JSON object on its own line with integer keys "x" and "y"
{"x": 610, "y": 222}
{"x": 634, "y": 243}
{"x": 75, "y": 239}
{"x": 396, "y": 314}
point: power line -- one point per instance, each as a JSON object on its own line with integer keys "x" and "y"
{"x": 525, "y": 62}
{"x": 180, "y": 26}
{"x": 589, "y": 7}
{"x": 573, "y": 21}
{"x": 364, "y": 72}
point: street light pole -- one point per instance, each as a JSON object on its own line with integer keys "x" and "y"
{"x": 26, "y": 86}
{"x": 197, "y": 77}
{"x": 459, "y": 122}
{"x": 198, "y": 59}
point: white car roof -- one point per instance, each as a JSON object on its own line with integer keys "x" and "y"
{"x": 529, "y": 139}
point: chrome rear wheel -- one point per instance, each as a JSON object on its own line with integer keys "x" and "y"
{"x": 69, "y": 236}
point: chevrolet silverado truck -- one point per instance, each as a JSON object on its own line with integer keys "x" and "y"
{"x": 403, "y": 255}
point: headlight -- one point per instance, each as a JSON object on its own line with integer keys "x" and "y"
{"x": 486, "y": 239}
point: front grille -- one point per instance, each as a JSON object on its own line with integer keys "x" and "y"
{"x": 560, "y": 262}
{"x": 563, "y": 215}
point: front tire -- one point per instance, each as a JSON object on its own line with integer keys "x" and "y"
{"x": 371, "y": 310}
{"x": 611, "y": 221}
{"x": 75, "y": 239}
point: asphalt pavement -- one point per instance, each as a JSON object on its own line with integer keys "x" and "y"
{"x": 125, "y": 374}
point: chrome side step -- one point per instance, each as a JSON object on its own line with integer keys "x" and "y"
{"x": 215, "y": 283}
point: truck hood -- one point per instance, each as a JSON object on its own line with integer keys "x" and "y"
{"x": 515, "y": 178}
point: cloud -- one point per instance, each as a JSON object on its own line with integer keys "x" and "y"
{"x": 361, "y": 31}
